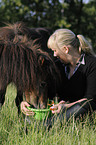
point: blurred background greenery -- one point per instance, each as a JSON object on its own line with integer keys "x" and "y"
{"x": 77, "y": 15}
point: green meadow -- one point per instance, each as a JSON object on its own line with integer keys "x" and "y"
{"x": 12, "y": 128}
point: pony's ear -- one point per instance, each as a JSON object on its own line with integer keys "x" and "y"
{"x": 41, "y": 60}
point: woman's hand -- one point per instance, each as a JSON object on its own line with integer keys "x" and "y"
{"x": 24, "y": 109}
{"x": 58, "y": 107}
{"x": 62, "y": 105}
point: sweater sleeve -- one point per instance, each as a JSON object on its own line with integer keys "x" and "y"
{"x": 91, "y": 81}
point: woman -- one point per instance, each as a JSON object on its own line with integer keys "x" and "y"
{"x": 79, "y": 83}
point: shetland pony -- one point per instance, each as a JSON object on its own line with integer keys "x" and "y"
{"x": 29, "y": 68}
{"x": 19, "y": 29}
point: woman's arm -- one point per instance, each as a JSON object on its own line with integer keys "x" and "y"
{"x": 62, "y": 105}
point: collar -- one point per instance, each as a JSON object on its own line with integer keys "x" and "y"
{"x": 81, "y": 60}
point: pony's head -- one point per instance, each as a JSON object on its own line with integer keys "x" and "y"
{"x": 29, "y": 68}
{"x": 47, "y": 79}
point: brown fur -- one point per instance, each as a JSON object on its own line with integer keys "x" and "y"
{"x": 28, "y": 67}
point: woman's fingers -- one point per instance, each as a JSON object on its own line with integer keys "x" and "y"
{"x": 24, "y": 109}
{"x": 62, "y": 102}
{"x": 59, "y": 106}
{"x": 28, "y": 113}
{"x": 58, "y": 110}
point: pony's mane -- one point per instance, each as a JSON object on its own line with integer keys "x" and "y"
{"x": 22, "y": 64}
{"x": 19, "y": 30}
{"x": 21, "y": 58}
{"x": 13, "y": 33}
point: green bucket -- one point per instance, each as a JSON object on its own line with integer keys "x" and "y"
{"x": 41, "y": 114}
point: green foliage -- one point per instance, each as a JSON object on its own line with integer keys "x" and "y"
{"x": 76, "y": 15}
{"x": 81, "y": 17}
{"x": 89, "y": 22}
{"x": 12, "y": 128}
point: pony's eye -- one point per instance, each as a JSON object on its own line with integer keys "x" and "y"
{"x": 43, "y": 84}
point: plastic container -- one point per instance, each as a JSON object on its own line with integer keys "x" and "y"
{"x": 41, "y": 114}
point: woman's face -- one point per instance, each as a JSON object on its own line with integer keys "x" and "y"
{"x": 61, "y": 55}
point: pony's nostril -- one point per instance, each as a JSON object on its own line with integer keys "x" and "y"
{"x": 43, "y": 84}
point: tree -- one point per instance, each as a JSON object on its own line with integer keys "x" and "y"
{"x": 76, "y": 15}
{"x": 44, "y": 13}
{"x": 11, "y": 11}
{"x": 81, "y": 18}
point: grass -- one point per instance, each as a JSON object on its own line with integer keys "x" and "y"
{"x": 12, "y": 128}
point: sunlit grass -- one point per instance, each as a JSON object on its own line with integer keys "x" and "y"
{"x": 12, "y": 128}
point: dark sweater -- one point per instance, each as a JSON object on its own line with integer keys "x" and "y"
{"x": 82, "y": 84}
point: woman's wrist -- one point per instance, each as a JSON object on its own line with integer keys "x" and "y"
{"x": 73, "y": 103}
